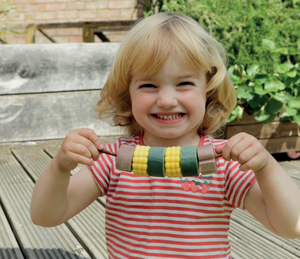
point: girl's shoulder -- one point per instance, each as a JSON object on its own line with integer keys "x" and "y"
{"x": 131, "y": 141}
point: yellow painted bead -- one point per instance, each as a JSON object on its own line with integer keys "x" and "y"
{"x": 140, "y": 160}
{"x": 172, "y": 162}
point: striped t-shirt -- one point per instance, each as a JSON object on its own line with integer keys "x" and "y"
{"x": 155, "y": 217}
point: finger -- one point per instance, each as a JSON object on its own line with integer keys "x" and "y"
{"x": 236, "y": 145}
{"x": 92, "y": 136}
{"x": 251, "y": 164}
{"x": 247, "y": 154}
{"x": 81, "y": 159}
{"x": 80, "y": 149}
{"x": 86, "y": 147}
{"x": 219, "y": 149}
{"x": 226, "y": 152}
{"x": 238, "y": 149}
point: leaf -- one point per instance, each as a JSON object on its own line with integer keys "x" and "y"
{"x": 234, "y": 75}
{"x": 292, "y": 73}
{"x": 270, "y": 119}
{"x": 283, "y": 68}
{"x": 273, "y": 106}
{"x": 280, "y": 96}
{"x": 283, "y": 51}
{"x": 269, "y": 44}
{"x": 262, "y": 115}
{"x": 290, "y": 111}
{"x": 259, "y": 89}
{"x": 297, "y": 119}
{"x": 258, "y": 101}
{"x": 296, "y": 4}
{"x": 237, "y": 113}
{"x": 261, "y": 78}
{"x": 252, "y": 70}
{"x": 243, "y": 92}
{"x": 294, "y": 102}
{"x": 274, "y": 85}
{"x": 245, "y": 60}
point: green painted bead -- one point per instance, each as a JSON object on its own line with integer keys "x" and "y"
{"x": 156, "y": 161}
{"x": 189, "y": 161}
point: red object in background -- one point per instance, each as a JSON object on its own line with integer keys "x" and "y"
{"x": 293, "y": 155}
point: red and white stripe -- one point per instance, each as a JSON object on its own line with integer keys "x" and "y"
{"x": 152, "y": 217}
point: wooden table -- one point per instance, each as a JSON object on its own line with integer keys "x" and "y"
{"x": 84, "y": 235}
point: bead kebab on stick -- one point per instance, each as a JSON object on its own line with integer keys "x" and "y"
{"x": 161, "y": 161}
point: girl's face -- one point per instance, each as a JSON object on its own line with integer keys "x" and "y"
{"x": 169, "y": 104}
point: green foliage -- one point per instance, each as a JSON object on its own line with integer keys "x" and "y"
{"x": 150, "y": 7}
{"x": 5, "y": 8}
{"x": 265, "y": 94}
{"x": 266, "y": 75}
{"x": 242, "y": 25}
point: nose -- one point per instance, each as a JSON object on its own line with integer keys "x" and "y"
{"x": 167, "y": 97}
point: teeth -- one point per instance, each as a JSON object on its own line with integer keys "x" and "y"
{"x": 169, "y": 117}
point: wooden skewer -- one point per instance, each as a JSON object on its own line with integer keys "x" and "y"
{"x": 108, "y": 152}
{"x": 218, "y": 155}
{"x": 115, "y": 154}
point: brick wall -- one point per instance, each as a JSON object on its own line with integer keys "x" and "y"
{"x": 53, "y": 11}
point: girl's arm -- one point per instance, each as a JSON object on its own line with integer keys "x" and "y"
{"x": 274, "y": 198}
{"x": 56, "y": 196}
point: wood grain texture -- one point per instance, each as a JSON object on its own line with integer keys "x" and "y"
{"x": 51, "y": 68}
{"x": 49, "y": 116}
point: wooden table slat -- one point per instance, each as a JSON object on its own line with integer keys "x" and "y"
{"x": 89, "y": 227}
{"x": 251, "y": 245}
{"x": 36, "y": 242}
{"x": 244, "y": 218}
{"x": 53, "y": 150}
{"x": 249, "y": 239}
{"x": 9, "y": 248}
{"x": 90, "y": 220}
{"x": 292, "y": 167}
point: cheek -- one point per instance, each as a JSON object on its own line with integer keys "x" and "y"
{"x": 141, "y": 103}
{"x": 195, "y": 101}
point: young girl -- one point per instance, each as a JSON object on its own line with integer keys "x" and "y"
{"x": 168, "y": 87}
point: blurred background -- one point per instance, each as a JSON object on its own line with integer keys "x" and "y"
{"x": 261, "y": 37}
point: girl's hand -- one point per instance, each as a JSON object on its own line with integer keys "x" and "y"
{"x": 79, "y": 146}
{"x": 245, "y": 149}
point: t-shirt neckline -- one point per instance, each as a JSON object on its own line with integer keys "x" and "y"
{"x": 201, "y": 142}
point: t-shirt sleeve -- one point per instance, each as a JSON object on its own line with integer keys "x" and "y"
{"x": 102, "y": 168}
{"x": 237, "y": 184}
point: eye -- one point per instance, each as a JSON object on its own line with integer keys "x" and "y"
{"x": 185, "y": 83}
{"x": 147, "y": 86}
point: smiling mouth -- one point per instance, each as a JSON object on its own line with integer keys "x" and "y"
{"x": 169, "y": 117}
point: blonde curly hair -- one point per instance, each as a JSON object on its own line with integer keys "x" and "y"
{"x": 146, "y": 48}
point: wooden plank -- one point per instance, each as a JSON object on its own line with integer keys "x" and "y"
{"x": 281, "y": 145}
{"x": 35, "y": 160}
{"x": 292, "y": 168}
{"x": 9, "y": 248}
{"x": 30, "y": 35}
{"x": 109, "y": 25}
{"x": 36, "y": 242}
{"x": 249, "y": 245}
{"x": 54, "y": 67}
{"x": 260, "y": 131}
{"x": 49, "y": 116}
{"x": 249, "y": 119}
{"x": 276, "y": 137}
{"x": 244, "y": 218}
{"x": 88, "y": 225}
